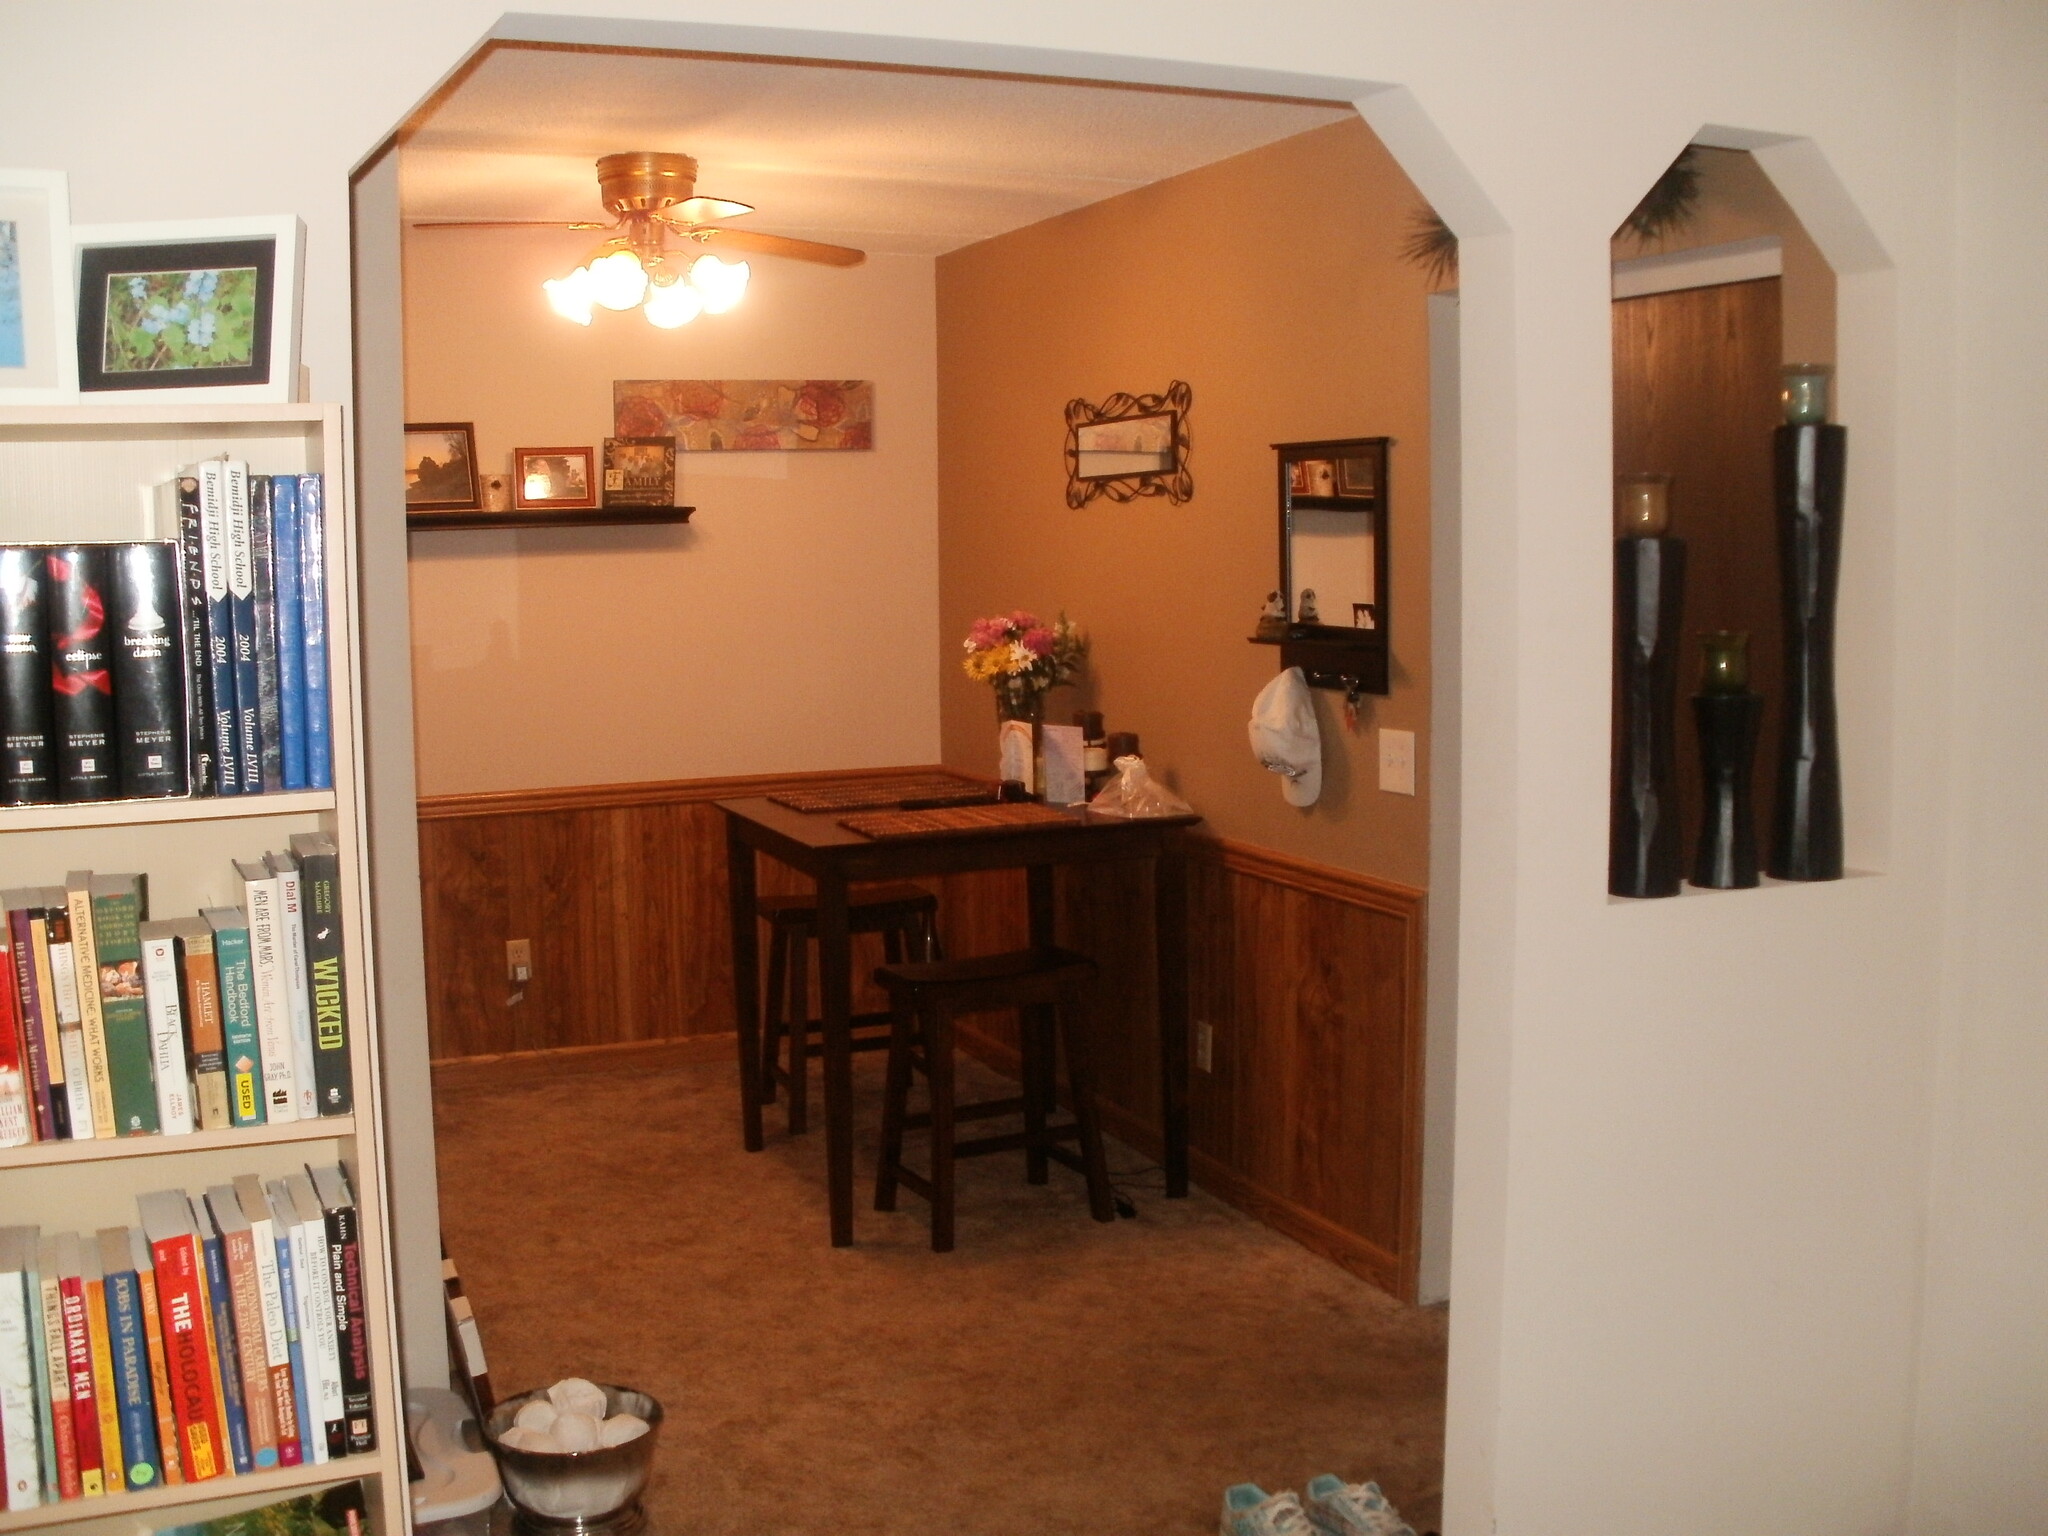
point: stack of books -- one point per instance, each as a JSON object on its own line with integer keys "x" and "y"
{"x": 195, "y": 664}
{"x": 223, "y": 1334}
{"x": 114, "y": 1025}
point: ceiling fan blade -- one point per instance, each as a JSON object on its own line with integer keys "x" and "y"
{"x": 703, "y": 210}
{"x": 782, "y": 245}
{"x": 508, "y": 224}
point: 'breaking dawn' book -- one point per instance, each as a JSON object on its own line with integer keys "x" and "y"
{"x": 148, "y": 630}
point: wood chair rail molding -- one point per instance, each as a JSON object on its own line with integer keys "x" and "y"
{"x": 1310, "y": 977}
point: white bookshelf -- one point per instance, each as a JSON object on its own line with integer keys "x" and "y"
{"x": 70, "y": 473}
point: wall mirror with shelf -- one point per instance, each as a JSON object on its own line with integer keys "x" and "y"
{"x": 1331, "y": 614}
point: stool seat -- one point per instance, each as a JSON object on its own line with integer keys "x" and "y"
{"x": 907, "y": 918}
{"x": 1049, "y": 988}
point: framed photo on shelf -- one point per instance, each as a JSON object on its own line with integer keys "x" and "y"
{"x": 38, "y": 364}
{"x": 440, "y": 466}
{"x": 639, "y": 471}
{"x": 205, "y": 308}
{"x": 547, "y": 478}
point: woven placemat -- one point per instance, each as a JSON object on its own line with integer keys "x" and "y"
{"x": 882, "y": 793}
{"x": 952, "y": 820}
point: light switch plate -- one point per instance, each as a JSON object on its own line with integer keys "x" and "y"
{"x": 1397, "y": 762}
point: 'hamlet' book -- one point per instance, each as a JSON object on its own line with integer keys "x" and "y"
{"x": 29, "y": 776}
{"x": 149, "y": 670}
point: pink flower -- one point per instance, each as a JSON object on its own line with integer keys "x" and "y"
{"x": 1037, "y": 640}
{"x": 1020, "y": 620}
{"x": 987, "y": 633}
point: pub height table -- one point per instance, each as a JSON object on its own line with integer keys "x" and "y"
{"x": 835, "y": 857}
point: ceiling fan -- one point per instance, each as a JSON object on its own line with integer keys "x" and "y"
{"x": 656, "y": 255}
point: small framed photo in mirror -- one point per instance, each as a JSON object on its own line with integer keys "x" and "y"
{"x": 1135, "y": 445}
{"x": 1355, "y": 478}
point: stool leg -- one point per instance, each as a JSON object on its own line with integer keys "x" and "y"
{"x": 1034, "y": 1035}
{"x": 938, "y": 1037}
{"x": 1073, "y": 1018}
{"x": 799, "y": 1034}
{"x": 892, "y": 946}
{"x": 895, "y": 1103}
{"x": 772, "y": 1029}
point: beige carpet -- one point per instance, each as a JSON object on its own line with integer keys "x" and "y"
{"x": 1051, "y": 1376}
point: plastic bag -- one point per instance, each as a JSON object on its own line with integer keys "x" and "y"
{"x": 1134, "y": 792}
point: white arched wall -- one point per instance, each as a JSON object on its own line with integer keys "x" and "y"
{"x": 1693, "y": 1162}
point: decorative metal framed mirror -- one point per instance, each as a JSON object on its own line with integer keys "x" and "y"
{"x": 1130, "y": 446}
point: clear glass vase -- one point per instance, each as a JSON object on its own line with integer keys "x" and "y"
{"x": 1025, "y": 704}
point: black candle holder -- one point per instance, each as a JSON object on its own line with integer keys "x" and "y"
{"x": 1644, "y": 850}
{"x": 1806, "y": 819}
{"x": 1725, "y": 857}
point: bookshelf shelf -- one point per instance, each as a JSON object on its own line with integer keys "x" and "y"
{"x": 41, "y": 1154}
{"x": 142, "y": 813}
{"x": 281, "y": 1480}
{"x": 89, "y": 473}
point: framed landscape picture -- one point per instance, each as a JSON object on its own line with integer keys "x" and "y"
{"x": 37, "y": 364}
{"x": 440, "y": 466}
{"x": 544, "y": 478}
{"x": 206, "y": 308}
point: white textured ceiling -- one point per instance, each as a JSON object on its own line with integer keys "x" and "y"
{"x": 887, "y": 160}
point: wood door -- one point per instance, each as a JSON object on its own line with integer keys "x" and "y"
{"x": 1696, "y": 397}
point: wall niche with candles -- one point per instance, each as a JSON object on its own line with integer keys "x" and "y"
{"x": 1724, "y": 767}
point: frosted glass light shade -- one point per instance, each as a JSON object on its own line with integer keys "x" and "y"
{"x": 618, "y": 281}
{"x": 722, "y": 284}
{"x": 672, "y": 304}
{"x": 570, "y": 296}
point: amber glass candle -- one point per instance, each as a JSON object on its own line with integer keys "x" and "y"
{"x": 1642, "y": 506}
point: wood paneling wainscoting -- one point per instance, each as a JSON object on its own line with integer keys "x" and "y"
{"x": 1310, "y": 979}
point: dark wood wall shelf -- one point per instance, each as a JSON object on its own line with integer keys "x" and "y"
{"x": 554, "y": 517}
{"x": 1333, "y": 657}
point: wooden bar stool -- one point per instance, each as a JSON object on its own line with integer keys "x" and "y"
{"x": 1044, "y": 985}
{"x": 905, "y": 915}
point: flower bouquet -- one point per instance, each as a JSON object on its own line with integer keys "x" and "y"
{"x": 1022, "y": 657}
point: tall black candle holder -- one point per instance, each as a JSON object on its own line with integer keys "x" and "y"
{"x": 1644, "y": 851}
{"x": 1806, "y": 811}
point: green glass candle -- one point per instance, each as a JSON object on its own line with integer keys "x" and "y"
{"x": 1724, "y": 669}
{"x": 1805, "y": 394}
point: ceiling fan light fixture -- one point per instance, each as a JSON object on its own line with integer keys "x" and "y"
{"x": 618, "y": 281}
{"x": 671, "y": 304}
{"x": 722, "y": 284}
{"x": 570, "y": 296}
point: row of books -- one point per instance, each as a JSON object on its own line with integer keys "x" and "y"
{"x": 114, "y": 1025}
{"x": 223, "y": 1335}
{"x": 195, "y": 664}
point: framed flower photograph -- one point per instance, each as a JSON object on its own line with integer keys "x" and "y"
{"x": 553, "y": 477}
{"x": 37, "y": 364}
{"x": 440, "y": 466}
{"x": 207, "y": 308}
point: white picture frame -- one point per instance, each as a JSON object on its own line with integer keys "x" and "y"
{"x": 97, "y": 248}
{"x": 38, "y": 342}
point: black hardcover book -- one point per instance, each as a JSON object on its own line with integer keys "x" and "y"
{"x": 326, "y": 974}
{"x": 81, "y": 673}
{"x": 178, "y": 518}
{"x": 149, "y": 670}
{"x": 26, "y": 731}
{"x": 262, "y": 551}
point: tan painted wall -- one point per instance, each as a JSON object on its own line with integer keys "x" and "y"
{"x": 1738, "y": 202}
{"x": 787, "y": 627}
{"x": 1271, "y": 283}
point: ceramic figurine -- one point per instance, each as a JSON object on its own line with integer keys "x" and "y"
{"x": 1305, "y": 611}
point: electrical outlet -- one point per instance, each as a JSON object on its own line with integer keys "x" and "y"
{"x": 1397, "y": 762}
{"x": 519, "y": 960}
{"x": 1205, "y": 1047}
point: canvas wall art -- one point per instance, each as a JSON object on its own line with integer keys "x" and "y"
{"x": 747, "y": 415}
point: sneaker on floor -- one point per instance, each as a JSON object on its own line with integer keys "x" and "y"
{"x": 1248, "y": 1510}
{"x": 1353, "y": 1509}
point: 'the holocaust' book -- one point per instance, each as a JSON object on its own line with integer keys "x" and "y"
{"x": 177, "y": 518}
